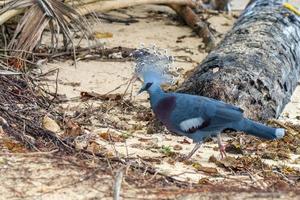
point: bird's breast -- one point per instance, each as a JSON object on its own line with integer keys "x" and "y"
{"x": 164, "y": 108}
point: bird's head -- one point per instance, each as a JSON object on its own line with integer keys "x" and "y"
{"x": 153, "y": 68}
{"x": 152, "y": 81}
{"x": 145, "y": 87}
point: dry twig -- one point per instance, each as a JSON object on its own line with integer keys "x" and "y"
{"x": 197, "y": 24}
{"x": 118, "y": 184}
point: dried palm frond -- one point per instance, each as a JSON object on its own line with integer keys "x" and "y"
{"x": 40, "y": 15}
{"x": 90, "y": 6}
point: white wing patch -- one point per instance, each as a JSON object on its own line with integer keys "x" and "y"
{"x": 188, "y": 124}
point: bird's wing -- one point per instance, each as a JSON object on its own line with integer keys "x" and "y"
{"x": 222, "y": 104}
{"x": 222, "y": 110}
{"x": 193, "y": 113}
{"x": 188, "y": 124}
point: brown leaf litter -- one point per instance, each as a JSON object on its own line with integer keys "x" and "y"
{"x": 77, "y": 138}
{"x": 46, "y": 140}
{"x": 242, "y": 165}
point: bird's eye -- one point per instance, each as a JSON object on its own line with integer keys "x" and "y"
{"x": 148, "y": 85}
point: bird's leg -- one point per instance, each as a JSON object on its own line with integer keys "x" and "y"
{"x": 188, "y": 156}
{"x": 221, "y": 146}
{"x": 228, "y": 8}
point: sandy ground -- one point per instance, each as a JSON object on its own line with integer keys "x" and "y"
{"x": 102, "y": 77}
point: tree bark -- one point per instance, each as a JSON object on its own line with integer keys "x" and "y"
{"x": 257, "y": 65}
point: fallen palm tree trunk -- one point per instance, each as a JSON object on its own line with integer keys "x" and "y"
{"x": 257, "y": 65}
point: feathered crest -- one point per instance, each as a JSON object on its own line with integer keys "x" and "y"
{"x": 153, "y": 64}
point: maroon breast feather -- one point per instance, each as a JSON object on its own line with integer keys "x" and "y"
{"x": 164, "y": 108}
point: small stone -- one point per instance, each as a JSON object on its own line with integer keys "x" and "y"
{"x": 50, "y": 124}
{"x": 177, "y": 147}
{"x": 216, "y": 69}
{"x": 298, "y": 151}
{"x": 150, "y": 130}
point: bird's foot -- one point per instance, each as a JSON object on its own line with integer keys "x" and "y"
{"x": 183, "y": 158}
{"x": 188, "y": 156}
{"x": 222, "y": 149}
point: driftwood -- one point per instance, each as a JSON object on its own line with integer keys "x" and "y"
{"x": 257, "y": 65}
{"x": 29, "y": 31}
{"x": 197, "y": 24}
{"x": 222, "y": 5}
{"x": 104, "y": 6}
{"x": 91, "y": 6}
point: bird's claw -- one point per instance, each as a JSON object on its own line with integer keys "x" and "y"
{"x": 182, "y": 158}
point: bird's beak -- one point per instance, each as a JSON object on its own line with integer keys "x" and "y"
{"x": 142, "y": 89}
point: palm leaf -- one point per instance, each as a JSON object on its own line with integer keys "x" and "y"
{"x": 40, "y": 15}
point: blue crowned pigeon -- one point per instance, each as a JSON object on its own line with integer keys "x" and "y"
{"x": 196, "y": 117}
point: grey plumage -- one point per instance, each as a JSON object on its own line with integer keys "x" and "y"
{"x": 197, "y": 117}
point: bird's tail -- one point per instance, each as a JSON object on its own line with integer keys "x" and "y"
{"x": 260, "y": 130}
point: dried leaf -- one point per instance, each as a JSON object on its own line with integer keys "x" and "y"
{"x": 177, "y": 147}
{"x": 245, "y": 163}
{"x": 212, "y": 159}
{"x": 280, "y": 185}
{"x": 72, "y": 128}
{"x": 234, "y": 148}
{"x": 101, "y": 35}
{"x": 150, "y": 130}
{"x": 204, "y": 181}
{"x": 50, "y": 124}
{"x": 144, "y": 116}
{"x": 104, "y": 97}
{"x": 171, "y": 161}
{"x": 109, "y": 154}
{"x": 184, "y": 141}
{"x": 13, "y": 146}
{"x": 16, "y": 63}
{"x": 208, "y": 170}
{"x": 187, "y": 162}
{"x": 137, "y": 145}
{"x": 152, "y": 160}
{"x": 144, "y": 139}
{"x": 94, "y": 147}
{"x": 284, "y": 154}
{"x": 111, "y": 137}
{"x": 269, "y": 155}
{"x": 289, "y": 170}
